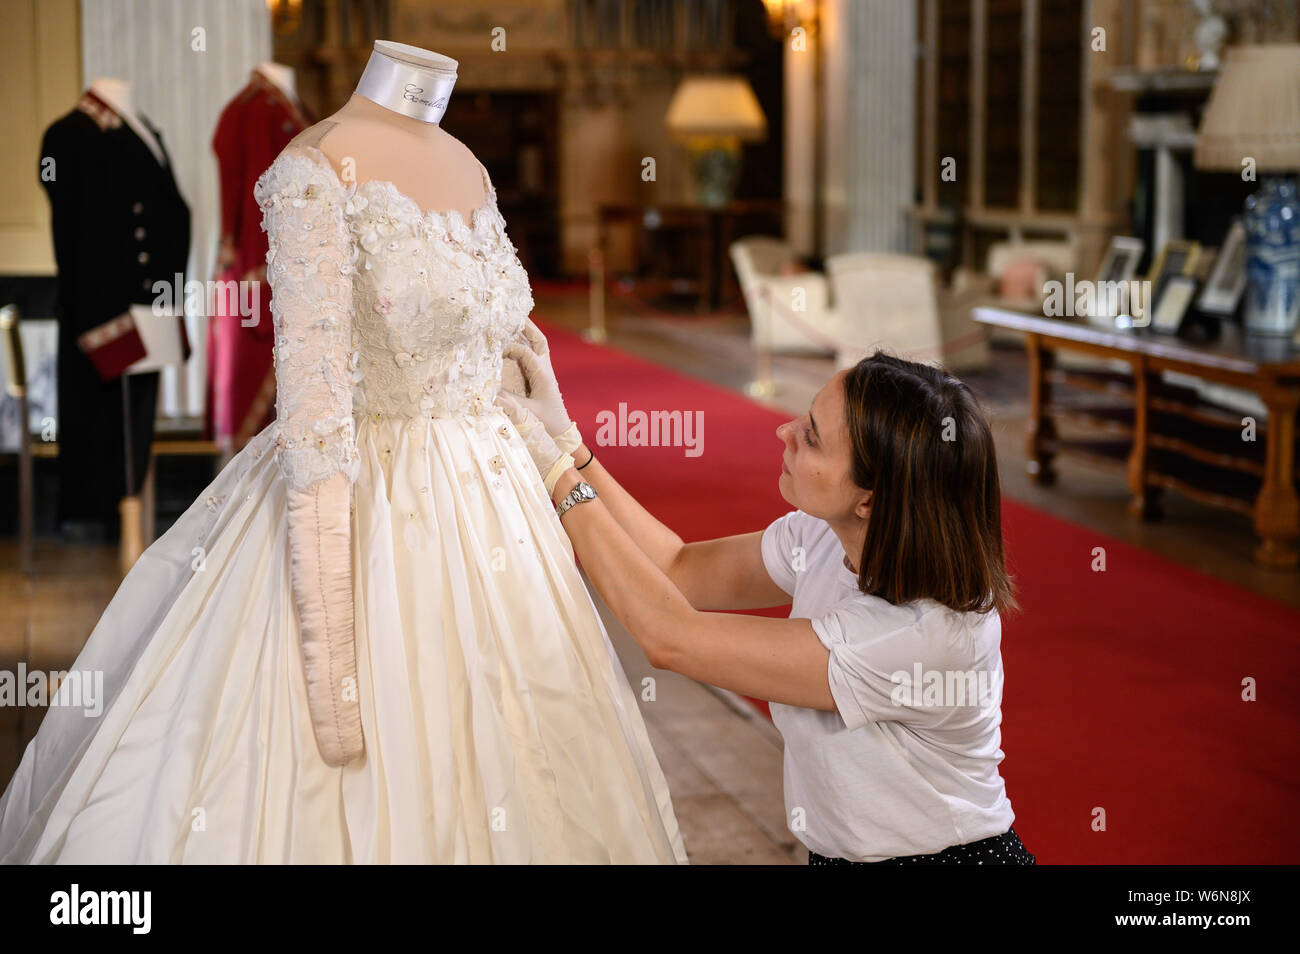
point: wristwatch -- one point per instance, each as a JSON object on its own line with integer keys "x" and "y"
{"x": 579, "y": 494}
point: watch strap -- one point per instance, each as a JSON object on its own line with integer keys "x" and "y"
{"x": 581, "y": 493}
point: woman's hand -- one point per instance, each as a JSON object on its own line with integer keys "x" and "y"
{"x": 551, "y": 460}
{"x": 542, "y": 395}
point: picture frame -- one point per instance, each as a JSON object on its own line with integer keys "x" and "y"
{"x": 1119, "y": 265}
{"x": 1227, "y": 281}
{"x": 1122, "y": 257}
{"x": 1176, "y": 258}
{"x": 1171, "y": 308}
{"x": 38, "y": 339}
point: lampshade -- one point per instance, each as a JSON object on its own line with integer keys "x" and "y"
{"x": 716, "y": 106}
{"x": 1254, "y": 111}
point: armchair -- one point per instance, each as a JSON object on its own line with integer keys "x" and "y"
{"x": 789, "y": 314}
{"x": 894, "y": 302}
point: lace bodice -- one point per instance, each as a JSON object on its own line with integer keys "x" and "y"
{"x": 380, "y": 308}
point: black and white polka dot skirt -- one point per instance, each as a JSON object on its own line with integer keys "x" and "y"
{"x": 1004, "y": 849}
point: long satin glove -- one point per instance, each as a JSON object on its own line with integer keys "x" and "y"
{"x": 320, "y": 571}
{"x": 548, "y": 458}
{"x": 531, "y": 353}
{"x": 310, "y": 260}
{"x": 514, "y": 382}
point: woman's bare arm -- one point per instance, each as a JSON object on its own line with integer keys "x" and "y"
{"x": 726, "y": 573}
{"x": 780, "y": 660}
{"x": 656, "y": 540}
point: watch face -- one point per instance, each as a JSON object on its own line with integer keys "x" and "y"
{"x": 582, "y": 491}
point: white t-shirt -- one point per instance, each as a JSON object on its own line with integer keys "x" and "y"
{"x": 909, "y": 763}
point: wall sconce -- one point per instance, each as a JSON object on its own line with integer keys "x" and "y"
{"x": 778, "y": 11}
{"x": 286, "y": 15}
{"x": 784, "y": 15}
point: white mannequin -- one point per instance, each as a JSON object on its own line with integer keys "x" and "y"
{"x": 281, "y": 76}
{"x": 421, "y": 159}
{"x": 117, "y": 93}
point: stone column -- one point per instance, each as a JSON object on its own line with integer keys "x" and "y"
{"x": 869, "y": 123}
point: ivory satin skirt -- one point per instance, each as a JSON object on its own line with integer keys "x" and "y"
{"x": 498, "y": 724}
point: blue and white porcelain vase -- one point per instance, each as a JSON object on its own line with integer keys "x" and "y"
{"x": 1272, "y": 223}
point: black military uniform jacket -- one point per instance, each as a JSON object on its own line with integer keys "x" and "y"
{"x": 120, "y": 225}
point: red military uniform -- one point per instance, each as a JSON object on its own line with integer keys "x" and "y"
{"x": 253, "y": 129}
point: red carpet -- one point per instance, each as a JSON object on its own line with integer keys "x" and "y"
{"x": 1124, "y": 688}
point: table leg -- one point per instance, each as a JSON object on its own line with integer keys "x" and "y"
{"x": 722, "y": 287}
{"x": 595, "y": 330}
{"x": 1041, "y": 429}
{"x": 26, "y": 491}
{"x": 708, "y": 268}
{"x": 1277, "y": 508}
{"x": 1145, "y": 502}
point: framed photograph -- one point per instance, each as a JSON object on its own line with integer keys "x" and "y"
{"x": 40, "y": 344}
{"x": 1227, "y": 282}
{"x": 1175, "y": 258}
{"x": 1121, "y": 261}
{"x": 1119, "y": 265}
{"x": 1172, "y": 305}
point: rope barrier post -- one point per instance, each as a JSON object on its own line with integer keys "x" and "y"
{"x": 131, "y": 539}
{"x": 595, "y": 330}
{"x": 763, "y": 386}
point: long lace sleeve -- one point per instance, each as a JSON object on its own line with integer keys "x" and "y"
{"x": 310, "y": 264}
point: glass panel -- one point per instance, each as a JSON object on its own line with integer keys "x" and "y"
{"x": 1060, "y": 38}
{"x": 954, "y": 99}
{"x": 1002, "y": 104}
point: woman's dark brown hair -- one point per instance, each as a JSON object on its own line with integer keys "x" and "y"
{"x": 921, "y": 444}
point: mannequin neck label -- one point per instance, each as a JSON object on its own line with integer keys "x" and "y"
{"x": 419, "y": 94}
{"x": 413, "y": 94}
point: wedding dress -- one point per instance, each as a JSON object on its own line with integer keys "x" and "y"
{"x": 495, "y": 721}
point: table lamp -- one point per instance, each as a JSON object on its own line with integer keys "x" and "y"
{"x": 712, "y": 115}
{"x": 1252, "y": 125}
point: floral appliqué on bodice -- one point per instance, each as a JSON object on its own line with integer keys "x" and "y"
{"x": 380, "y": 308}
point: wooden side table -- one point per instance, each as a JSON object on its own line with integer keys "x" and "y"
{"x": 1166, "y": 436}
{"x": 718, "y": 227}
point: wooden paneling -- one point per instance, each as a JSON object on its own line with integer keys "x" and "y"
{"x": 41, "y": 69}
